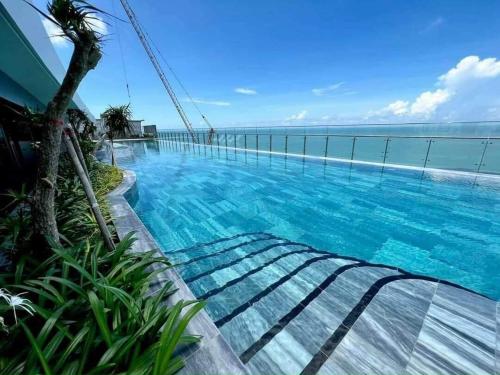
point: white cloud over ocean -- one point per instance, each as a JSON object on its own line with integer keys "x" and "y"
{"x": 469, "y": 90}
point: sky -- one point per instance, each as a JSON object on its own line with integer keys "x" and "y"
{"x": 299, "y": 62}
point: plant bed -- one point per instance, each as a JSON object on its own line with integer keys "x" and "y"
{"x": 82, "y": 309}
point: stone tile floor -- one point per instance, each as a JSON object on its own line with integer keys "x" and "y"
{"x": 285, "y": 308}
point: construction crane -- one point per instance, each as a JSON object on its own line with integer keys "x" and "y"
{"x": 163, "y": 77}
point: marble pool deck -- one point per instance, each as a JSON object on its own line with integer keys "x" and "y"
{"x": 280, "y": 307}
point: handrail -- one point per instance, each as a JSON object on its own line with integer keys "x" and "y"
{"x": 354, "y": 135}
{"x": 473, "y": 156}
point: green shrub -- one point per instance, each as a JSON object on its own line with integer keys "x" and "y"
{"x": 82, "y": 309}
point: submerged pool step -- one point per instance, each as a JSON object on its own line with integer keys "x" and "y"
{"x": 183, "y": 255}
{"x": 286, "y": 308}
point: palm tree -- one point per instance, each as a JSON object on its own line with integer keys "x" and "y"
{"x": 116, "y": 121}
{"x": 74, "y": 18}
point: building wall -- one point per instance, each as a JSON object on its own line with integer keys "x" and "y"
{"x": 135, "y": 125}
{"x": 27, "y": 56}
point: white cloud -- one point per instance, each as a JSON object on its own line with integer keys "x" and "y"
{"x": 218, "y": 103}
{"x": 436, "y": 23}
{"x": 297, "y": 117}
{"x": 245, "y": 91}
{"x": 470, "y": 68}
{"x": 399, "y": 107}
{"x": 325, "y": 90}
{"x": 55, "y": 34}
{"x": 465, "y": 92}
{"x": 98, "y": 24}
{"x": 57, "y": 37}
{"x": 428, "y": 101}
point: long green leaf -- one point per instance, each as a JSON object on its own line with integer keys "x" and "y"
{"x": 100, "y": 315}
{"x": 36, "y": 348}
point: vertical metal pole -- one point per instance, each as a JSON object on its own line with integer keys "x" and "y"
{"x": 235, "y": 145}
{"x": 385, "y": 156}
{"x": 225, "y": 140}
{"x": 286, "y": 145}
{"x": 385, "y": 151}
{"x": 482, "y": 156}
{"x": 427, "y": 153}
{"x": 218, "y": 144}
{"x": 353, "y": 145}
{"x": 211, "y": 148}
{"x": 270, "y": 144}
{"x": 204, "y": 144}
{"x": 304, "y": 152}
{"x": 245, "y": 141}
{"x": 326, "y": 148}
{"x": 257, "y": 143}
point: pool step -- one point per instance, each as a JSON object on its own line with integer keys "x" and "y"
{"x": 286, "y": 308}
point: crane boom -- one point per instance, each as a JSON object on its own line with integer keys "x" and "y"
{"x": 159, "y": 70}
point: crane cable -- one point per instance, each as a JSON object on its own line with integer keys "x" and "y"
{"x": 193, "y": 102}
{"x": 124, "y": 66}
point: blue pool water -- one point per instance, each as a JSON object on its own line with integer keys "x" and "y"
{"x": 438, "y": 225}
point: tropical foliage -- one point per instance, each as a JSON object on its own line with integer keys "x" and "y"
{"x": 83, "y": 309}
{"x": 116, "y": 120}
{"x": 74, "y": 18}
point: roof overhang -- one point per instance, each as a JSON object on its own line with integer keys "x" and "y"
{"x": 27, "y": 56}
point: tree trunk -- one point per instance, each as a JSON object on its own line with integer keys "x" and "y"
{"x": 79, "y": 153}
{"x": 89, "y": 192}
{"x": 113, "y": 161}
{"x": 84, "y": 58}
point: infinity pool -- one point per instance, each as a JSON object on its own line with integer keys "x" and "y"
{"x": 440, "y": 225}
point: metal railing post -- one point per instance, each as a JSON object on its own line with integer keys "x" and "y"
{"x": 218, "y": 146}
{"x": 482, "y": 155}
{"x": 286, "y": 145}
{"x": 385, "y": 151}
{"x": 304, "y": 148}
{"x": 257, "y": 143}
{"x": 225, "y": 140}
{"x": 353, "y": 146}
{"x": 245, "y": 142}
{"x": 427, "y": 153}
{"x": 235, "y": 145}
{"x": 326, "y": 148}
{"x": 204, "y": 144}
{"x": 270, "y": 144}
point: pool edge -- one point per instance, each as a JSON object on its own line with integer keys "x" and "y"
{"x": 213, "y": 354}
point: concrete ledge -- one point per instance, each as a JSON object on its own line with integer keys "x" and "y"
{"x": 212, "y": 355}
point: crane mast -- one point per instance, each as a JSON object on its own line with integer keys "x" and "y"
{"x": 159, "y": 70}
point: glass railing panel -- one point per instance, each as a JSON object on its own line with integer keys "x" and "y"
{"x": 278, "y": 144}
{"x": 340, "y": 147}
{"x": 264, "y": 142}
{"x": 370, "y": 149}
{"x": 240, "y": 140}
{"x": 491, "y": 159}
{"x": 231, "y": 140}
{"x": 407, "y": 151}
{"x": 456, "y": 154}
{"x": 315, "y": 145}
{"x": 251, "y": 141}
{"x": 295, "y": 144}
